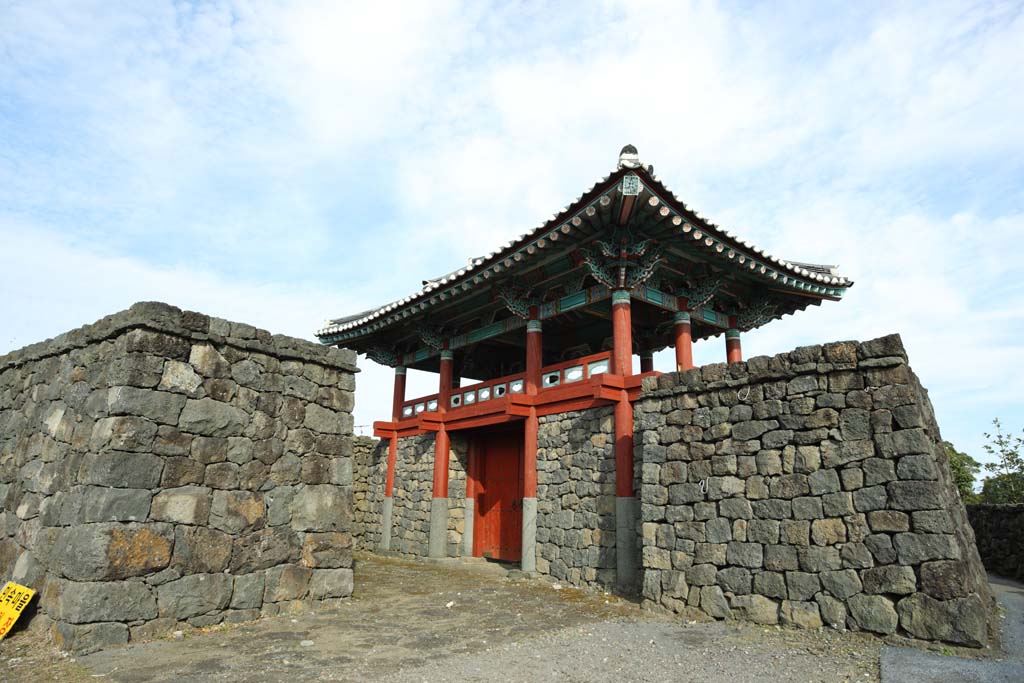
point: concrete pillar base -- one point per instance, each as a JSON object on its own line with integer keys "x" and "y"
{"x": 627, "y": 561}
{"x": 385, "y": 523}
{"x": 467, "y": 529}
{"x": 529, "y": 558}
{"x": 437, "y": 545}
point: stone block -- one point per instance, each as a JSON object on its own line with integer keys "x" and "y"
{"x": 796, "y": 532}
{"x": 945, "y": 579}
{"x": 842, "y": 583}
{"x": 873, "y": 613}
{"x": 789, "y": 486}
{"x": 200, "y": 550}
{"x": 735, "y": 580}
{"x": 123, "y": 433}
{"x": 917, "y": 548}
{"x": 286, "y": 582}
{"x": 895, "y": 579}
{"x": 823, "y": 481}
{"x": 110, "y": 551}
{"x": 212, "y": 418}
{"x": 802, "y": 585}
{"x": 208, "y": 362}
{"x": 807, "y": 508}
{"x": 819, "y": 559}
{"x": 717, "y": 530}
{"x": 735, "y": 508}
{"x": 962, "y": 621}
{"x": 837, "y": 504}
{"x": 327, "y": 550}
{"x": 915, "y": 495}
{"x": 780, "y": 558}
{"x": 264, "y": 548}
{"x": 828, "y": 531}
{"x": 83, "y": 639}
{"x": 87, "y": 602}
{"x": 800, "y": 614}
{"x": 745, "y": 554}
{"x": 869, "y": 499}
{"x": 917, "y": 467}
{"x": 248, "y": 591}
{"x": 183, "y": 505}
{"x": 180, "y": 378}
{"x": 888, "y": 520}
{"x": 194, "y": 595}
{"x": 878, "y": 471}
{"x": 237, "y": 512}
{"x": 755, "y": 608}
{"x": 180, "y": 471}
{"x": 713, "y": 602}
{"x": 102, "y": 504}
{"x": 322, "y": 507}
{"x": 159, "y": 406}
{"x": 330, "y": 583}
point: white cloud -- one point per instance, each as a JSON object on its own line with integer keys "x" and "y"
{"x": 281, "y": 164}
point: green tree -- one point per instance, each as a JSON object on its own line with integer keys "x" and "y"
{"x": 1007, "y": 484}
{"x": 964, "y": 469}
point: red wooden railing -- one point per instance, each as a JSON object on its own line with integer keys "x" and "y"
{"x": 559, "y": 374}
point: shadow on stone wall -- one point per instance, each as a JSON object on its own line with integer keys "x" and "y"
{"x": 999, "y": 533}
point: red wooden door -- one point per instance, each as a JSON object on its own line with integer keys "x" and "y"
{"x": 498, "y": 527}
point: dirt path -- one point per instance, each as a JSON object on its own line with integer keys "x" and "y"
{"x": 415, "y": 621}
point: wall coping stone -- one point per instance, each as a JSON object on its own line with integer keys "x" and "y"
{"x": 164, "y": 318}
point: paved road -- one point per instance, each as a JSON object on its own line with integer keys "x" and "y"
{"x": 905, "y": 665}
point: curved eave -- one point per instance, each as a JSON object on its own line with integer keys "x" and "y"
{"x": 732, "y": 250}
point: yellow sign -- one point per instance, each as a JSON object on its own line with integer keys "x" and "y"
{"x": 13, "y": 599}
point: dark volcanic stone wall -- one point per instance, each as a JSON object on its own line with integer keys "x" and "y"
{"x": 162, "y": 469}
{"x": 576, "y": 497}
{"x": 370, "y": 464}
{"x": 999, "y": 530}
{"x": 807, "y": 488}
{"x": 414, "y": 486}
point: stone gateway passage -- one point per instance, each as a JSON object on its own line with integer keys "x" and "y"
{"x": 809, "y": 488}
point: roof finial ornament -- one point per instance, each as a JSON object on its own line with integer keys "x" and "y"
{"x": 628, "y": 157}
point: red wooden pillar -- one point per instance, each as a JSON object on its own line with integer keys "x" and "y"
{"x": 684, "y": 338}
{"x": 733, "y": 351}
{"x": 646, "y": 361}
{"x": 534, "y": 361}
{"x": 398, "y": 397}
{"x": 438, "y": 540}
{"x": 626, "y": 558}
{"x": 622, "y": 333}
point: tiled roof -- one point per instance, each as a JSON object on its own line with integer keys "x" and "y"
{"x": 815, "y": 278}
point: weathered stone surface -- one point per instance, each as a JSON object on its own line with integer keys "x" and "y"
{"x": 286, "y": 582}
{"x": 181, "y": 378}
{"x": 918, "y": 548}
{"x": 208, "y": 362}
{"x": 159, "y": 406}
{"x": 327, "y": 550}
{"x": 800, "y": 614}
{"x": 199, "y": 550}
{"x": 330, "y": 583}
{"x": 755, "y": 608}
{"x": 895, "y": 579}
{"x": 184, "y": 505}
{"x": 248, "y": 591}
{"x": 264, "y": 548}
{"x": 237, "y": 512}
{"x": 124, "y": 433}
{"x": 212, "y": 418}
{"x": 842, "y": 583}
{"x": 961, "y": 620}
{"x": 915, "y": 495}
{"x": 87, "y": 638}
{"x": 110, "y": 551}
{"x": 87, "y": 602}
{"x": 873, "y": 613}
{"x": 193, "y": 595}
{"x": 945, "y": 579}
{"x": 713, "y": 602}
{"x": 322, "y": 508}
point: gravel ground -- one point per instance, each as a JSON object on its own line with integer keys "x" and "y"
{"x": 457, "y": 621}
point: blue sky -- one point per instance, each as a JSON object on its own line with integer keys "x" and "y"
{"x": 282, "y": 163}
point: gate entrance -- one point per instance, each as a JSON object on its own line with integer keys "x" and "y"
{"x": 498, "y": 510}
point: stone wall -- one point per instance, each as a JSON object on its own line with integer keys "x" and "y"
{"x": 807, "y": 488}
{"x": 999, "y": 530}
{"x": 162, "y": 469}
{"x": 369, "y": 464}
{"x": 576, "y": 497}
{"x": 414, "y": 486}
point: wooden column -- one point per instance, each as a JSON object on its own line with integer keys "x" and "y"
{"x": 437, "y": 544}
{"x": 733, "y": 351}
{"x": 626, "y": 559}
{"x": 534, "y": 361}
{"x": 646, "y": 361}
{"x": 396, "y": 414}
{"x": 684, "y": 339}
{"x": 622, "y": 333}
